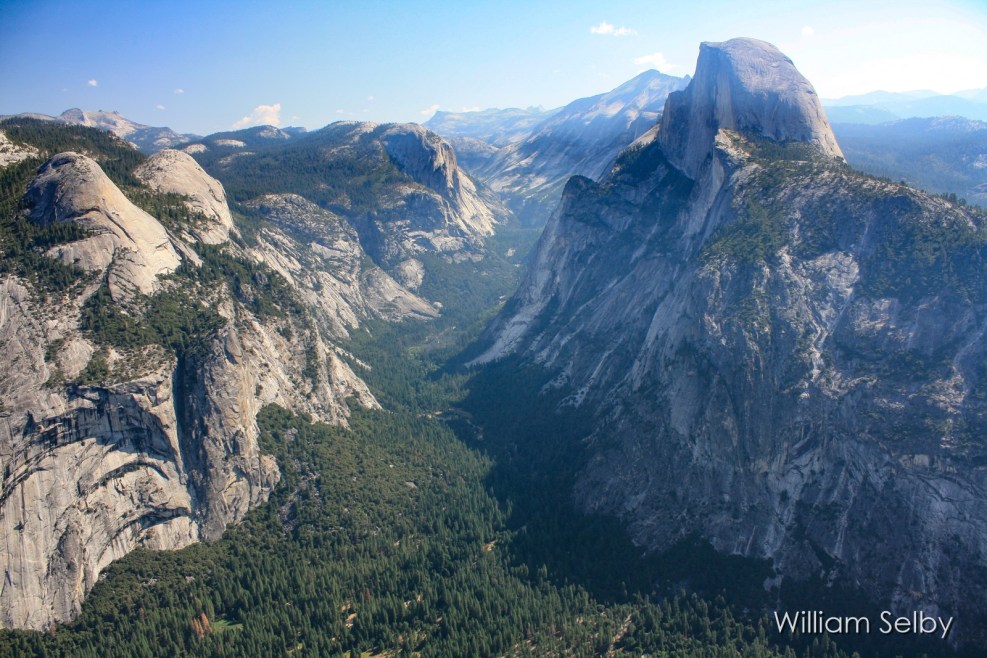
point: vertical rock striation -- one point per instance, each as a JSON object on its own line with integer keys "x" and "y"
{"x": 783, "y": 356}
{"x": 748, "y": 86}
{"x": 157, "y": 447}
{"x": 133, "y": 247}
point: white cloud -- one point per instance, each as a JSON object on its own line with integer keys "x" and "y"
{"x": 340, "y": 111}
{"x": 612, "y": 30}
{"x": 93, "y": 83}
{"x": 808, "y": 31}
{"x": 430, "y": 110}
{"x": 655, "y": 61}
{"x": 370, "y": 98}
{"x": 160, "y": 106}
{"x": 263, "y": 115}
{"x": 179, "y": 91}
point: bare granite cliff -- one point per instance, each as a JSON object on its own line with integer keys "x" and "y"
{"x": 783, "y": 356}
{"x": 133, "y": 246}
{"x": 430, "y": 161}
{"x": 399, "y": 185}
{"x": 110, "y": 441}
{"x": 178, "y": 173}
{"x": 748, "y": 86}
{"x": 320, "y": 254}
{"x": 11, "y": 153}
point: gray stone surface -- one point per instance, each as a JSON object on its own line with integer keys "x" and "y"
{"x": 800, "y": 405}
{"x": 320, "y": 254}
{"x": 131, "y": 245}
{"x": 159, "y": 452}
{"x": 178, "y": 173}
{"x": 748, "y": 86}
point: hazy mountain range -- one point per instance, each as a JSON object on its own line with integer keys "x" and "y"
{"x": 147, "y": 138}
{"x": 942, "y": 154}
{"x": 883, "y": 106}
{"x": 582, "y": 138}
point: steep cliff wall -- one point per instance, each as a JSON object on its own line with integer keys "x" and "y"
{"x": 129, "y": 397}
{"x": 783, "y": 356}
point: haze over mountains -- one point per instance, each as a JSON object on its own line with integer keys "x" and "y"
{"x": 494, "y": 126}
{"x": 727, "y": 343}
{"x": 526, "y": 155}
{"x": 947, "y": 155}
{"x": 147, "y": 138}
{"x": 582, "y": 138}
{"x": 883, "y": 106}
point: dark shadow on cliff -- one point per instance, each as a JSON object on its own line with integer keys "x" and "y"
{"x": 539, "y": 453}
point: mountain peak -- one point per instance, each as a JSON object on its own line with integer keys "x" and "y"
{"x": 745, "y": 85}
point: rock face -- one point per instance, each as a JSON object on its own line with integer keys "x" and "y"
{"x": 133, "y": 246}
{"x": 399, "y": 185}
{"x": 11, "y": 153}
{"x": 583, "y": 138}
{"x": 748, "y": 86}
{"x": 179, "y": 173}
{"x": 430, "y": 161}
{"x": 158, "y": 446}
{"x": 783, "y": 356}
{"x": 320, "y": 254}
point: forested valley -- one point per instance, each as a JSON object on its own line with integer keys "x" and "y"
{"x": 440, "y": 525}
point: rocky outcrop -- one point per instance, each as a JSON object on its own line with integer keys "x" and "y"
{"x": 149, "y": 139}
{"x": 471, "y": 153}
{"x": 748, "y": 86}
{"x": 782, "y": 356}
{"x": 321, "y": 256}
{"x": 398, "y": 185}
{"x": 179, "y": 173}
{"x": 11, "y": 153}
{"x": 104, "y": 448}
{"x": 86, "y": 477}
{"x": 133, "y": 247}
{"x": 431, "y": 162}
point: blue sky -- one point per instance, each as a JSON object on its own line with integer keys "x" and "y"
{"x": 209, "y": 66}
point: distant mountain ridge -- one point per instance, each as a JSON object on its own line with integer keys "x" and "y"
{"x": 882, "y": 106}
{"x": 583, "y": 138}
{"x": 940, "y": 154}
{"x": 494, "y": 126}
{"x": 149, "y": 139}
